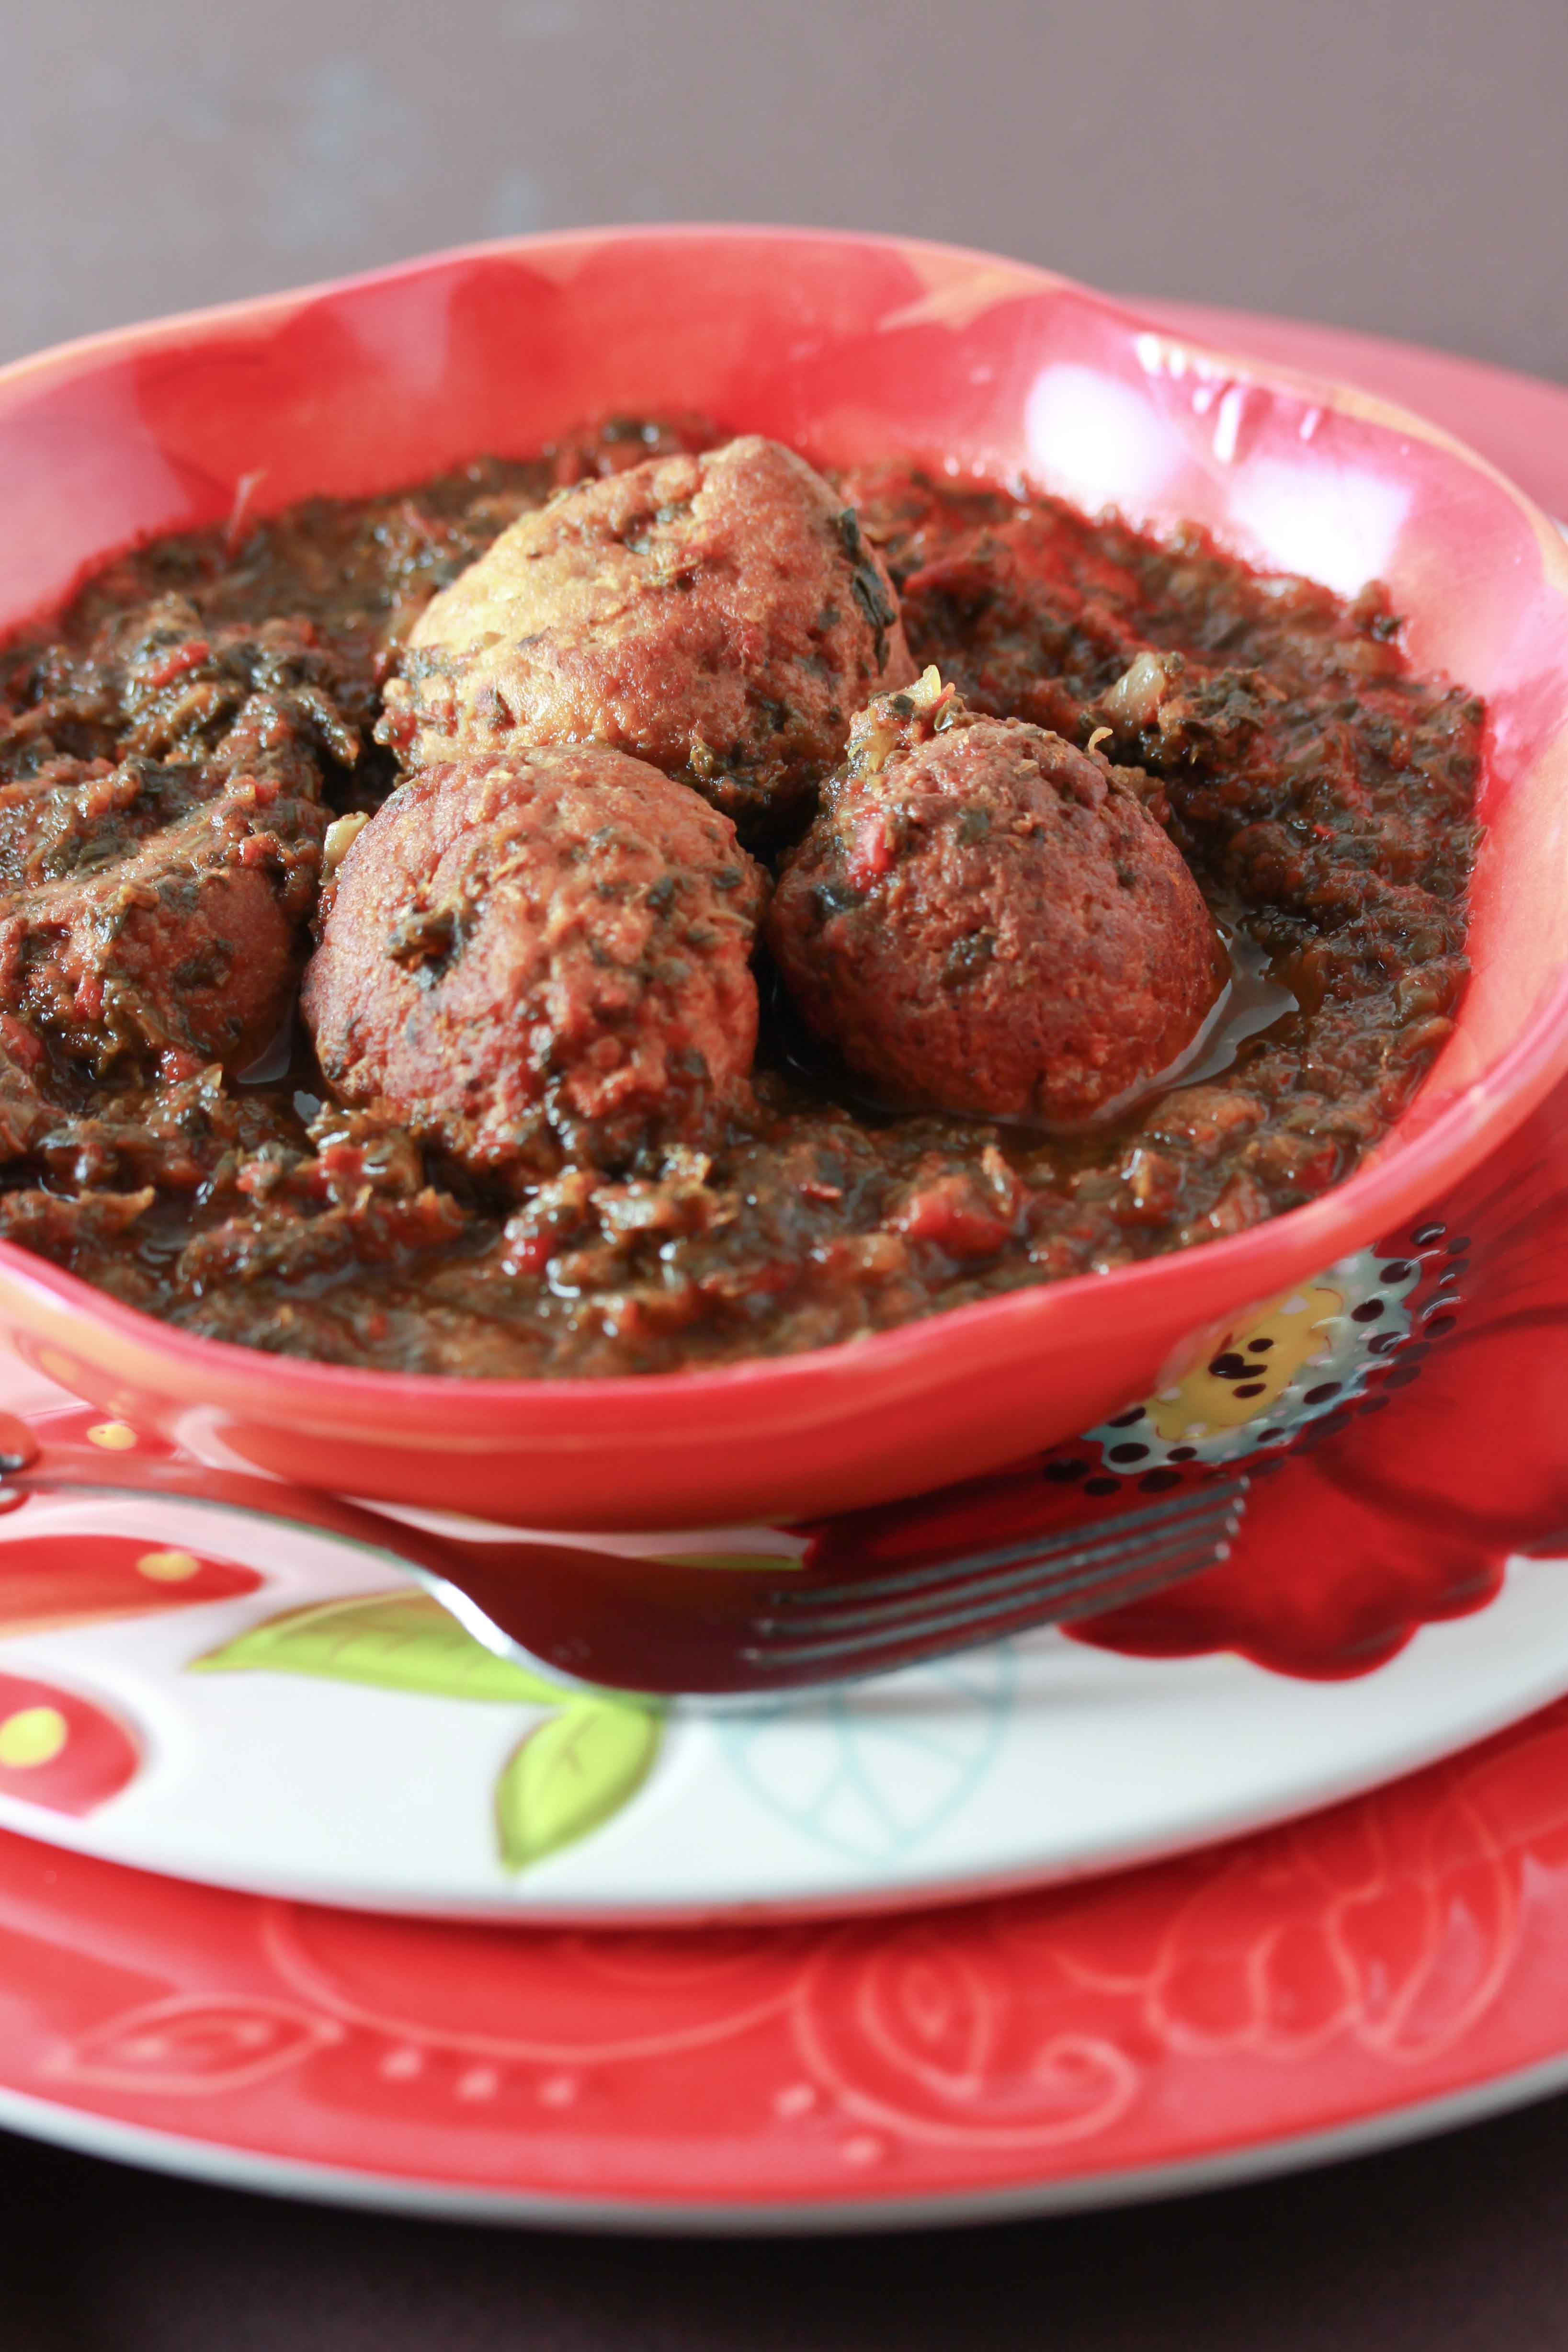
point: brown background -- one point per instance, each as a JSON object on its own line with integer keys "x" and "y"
{"x": 1400, "y": 165}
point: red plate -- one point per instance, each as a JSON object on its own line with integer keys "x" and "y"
{"x": 1372, "y": 1973}
{"x": 1381, "y": 1969}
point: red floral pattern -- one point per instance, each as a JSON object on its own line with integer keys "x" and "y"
{"x": 48, "y": 1581}
{"x": 59, "y": 1750}
{"x": 196, "y": 2047}
{"x": 1402, "y": 1948}
{"x": 1406, "y": 1507}
{"x": 1398, "y": 1508}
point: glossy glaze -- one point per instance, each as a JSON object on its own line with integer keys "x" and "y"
{"x": 1394, "y": 1952}
{"x": 889, "y": 345}
{"x": 1382, "y": 1969}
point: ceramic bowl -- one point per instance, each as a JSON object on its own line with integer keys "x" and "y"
{"x": 849, "y": 347}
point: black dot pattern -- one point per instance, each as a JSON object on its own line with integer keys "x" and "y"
{"x": 1385, "y": 1356}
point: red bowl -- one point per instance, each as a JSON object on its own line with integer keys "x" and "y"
{"x": 849, "y": 347}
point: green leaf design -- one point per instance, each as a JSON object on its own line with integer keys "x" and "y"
{"x": 570, "y": 1774}
{"x": 401, "y": 1640}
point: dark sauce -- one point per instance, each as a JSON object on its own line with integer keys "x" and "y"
{"x": 1324, "y": 796}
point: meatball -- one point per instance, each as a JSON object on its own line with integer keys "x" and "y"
{"x": 720, "y": 616}
{"x": 541, "y": 957}
{"x": 154, "y": 911}
{"x": 985, "y": 919}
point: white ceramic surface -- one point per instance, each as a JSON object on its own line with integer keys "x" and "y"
{"x": 366, "y": 1752}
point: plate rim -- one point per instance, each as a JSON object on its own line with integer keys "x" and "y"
{"x": 1381, "y": 2126}
{"x": 211, "y": 2163}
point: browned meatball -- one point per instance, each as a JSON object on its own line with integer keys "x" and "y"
{"x": 154, "y": 911}
{"x": 720, "y": 616}
{"x": 986, "y": 920}
{"x": 541, "y": 957}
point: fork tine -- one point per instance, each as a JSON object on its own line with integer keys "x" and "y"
{"x": 897, "y": 1632}
{"x": 1067, "y": 1563}
{"x": 1152, "y": 1516}
{"x": 896, "y": 1620}
{"x": 949, "y": 1630}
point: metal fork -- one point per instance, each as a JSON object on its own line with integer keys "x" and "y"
{"x": 727, "y": 1635}
{"x": 658, "y": 1628}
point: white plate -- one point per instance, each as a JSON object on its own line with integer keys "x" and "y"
{"x": 365, "y": 1751}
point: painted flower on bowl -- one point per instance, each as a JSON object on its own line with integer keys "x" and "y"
{"x": 1403, "y": 1501}
{"x": 1397, "y": 1424}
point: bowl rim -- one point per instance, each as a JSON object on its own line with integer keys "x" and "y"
{"x": 1469, "y": 1126}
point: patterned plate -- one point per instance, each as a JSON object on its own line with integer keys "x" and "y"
{"x": 221, "y": 1679}
{"x": 1354, "y": 1979}
{"x": 1370, "y": 1973}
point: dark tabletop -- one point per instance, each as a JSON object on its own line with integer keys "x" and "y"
{"x": 1458, "y": 2245}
